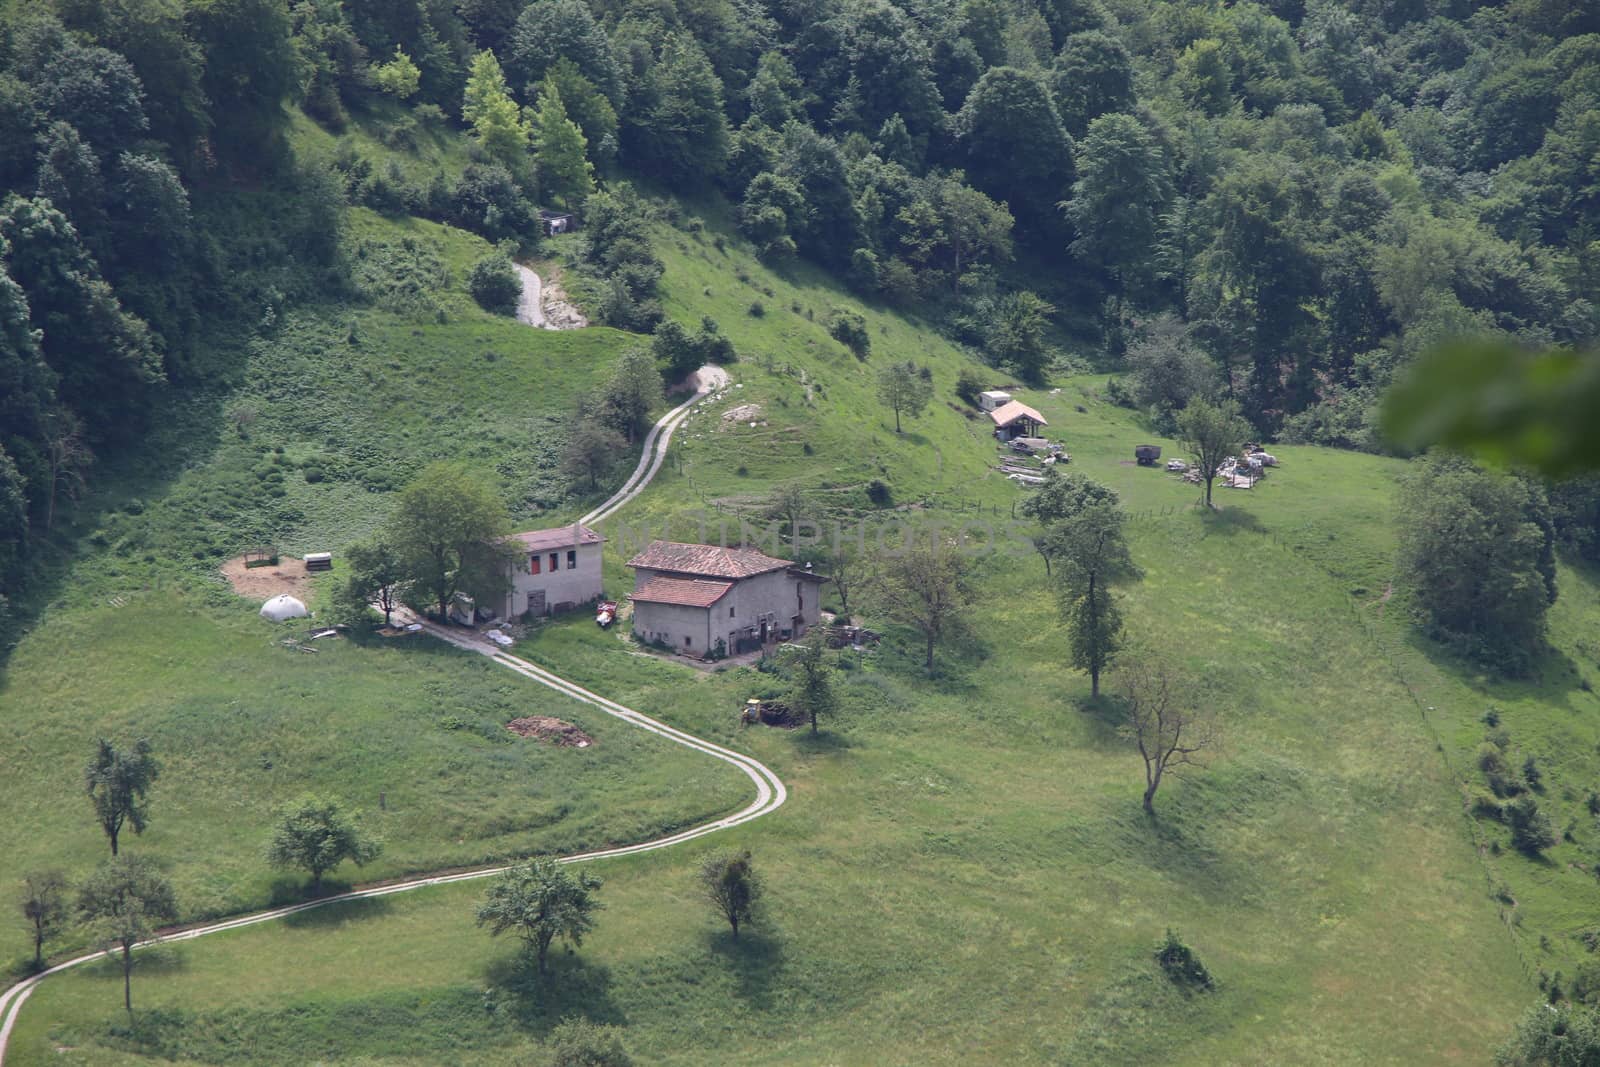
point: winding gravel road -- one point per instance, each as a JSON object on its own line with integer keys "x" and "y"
{"x": 770, "y": 793}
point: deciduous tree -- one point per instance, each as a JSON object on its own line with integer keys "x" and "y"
{"x": 552, "y": 30}
{"x": 1017, "y": 337}
{"x": 904, "y": 389}
{"x": 126, "y": 900}
{"x": 1116, "y": 202}
{"x": 376, "y": 576}
{"x": 1091, "y": 550}
{"x": 732, "y": 885}
{"x": 495, "y": 285}
{"x": 540, "y": 901}
{"x": 1092, "y": 75}
{"x": 678, "y": 127}
{"x": 1553, "y": 1035}
{"x": 117, "y": 783}
{"x": 1169, "y": 732}
{"x": 591, "y": 451}
{"x": 1476, "y": 550}
{"x": 812, "y": 692}
{"x": 632, "y": 391}
{"x": 1014, "y": 147}
{"x": 1167, "y": 369}
{"x": 1211, "y": 432}
{"x": 44, "y": 906}
{"x": 579, "y": 1042}
{"x": 924, "y": 585}
{"x": 315, "y": 835}
{"x": 449, "y": 532}
{"x": 849, "y": 328}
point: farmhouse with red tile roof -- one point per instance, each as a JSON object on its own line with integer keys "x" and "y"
{"x": 705, "y": 599}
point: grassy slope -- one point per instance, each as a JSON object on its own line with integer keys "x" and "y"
{"x": 342, "y": 403}
{"x": 963, "y": 872}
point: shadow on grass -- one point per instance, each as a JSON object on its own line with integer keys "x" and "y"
{"x": 182, "y": 430}
{"x": 757, "y": 958}
{"x": 1226, "y": 522}
{"x": 1554, "y": 678}
{"x": 1104, "y": 716}
{"x": 1197, "y": 818}
{"x": 820, "y": 744}
{"x": 160, "y": 958}
{"x": 571, "y": 986}
{"x": 339, "y": 914}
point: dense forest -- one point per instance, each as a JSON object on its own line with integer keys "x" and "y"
{"x": 1282, "y": 202}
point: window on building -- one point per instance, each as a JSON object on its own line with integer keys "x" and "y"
{"x": 533, "y": 564}
{"x": 687, "y": 641}
{"x": 572, "y": 558}
{"x": 555, "y": 561}
{"x": 730, "y": 611}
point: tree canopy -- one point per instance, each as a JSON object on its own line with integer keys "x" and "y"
{"x": 315, "y": 835}
{"x": 118, "y": 782}
{"x": 542, "y": 901}
{"x": 449, "y": 533}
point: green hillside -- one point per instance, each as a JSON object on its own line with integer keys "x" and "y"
{"x": 258, "y": 269}
{"x": 962, "y": 870}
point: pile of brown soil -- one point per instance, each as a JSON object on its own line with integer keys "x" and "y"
{"x": 288, "y": 575}
{"x": 551, "y": 731}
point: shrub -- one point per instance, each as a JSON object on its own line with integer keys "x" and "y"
{"x": 494, "y": 285}
{"x": 1118, "y": 394}
{"x": 1488, "y": 806}
{"x": 757, "y": 309}
{"x": 1490, "y": 758}
{"x": 488, "y": 201}
{"x": 401, "y": 133}
{"x": 1181, "y": 964}
{"x": 578, "y": 1042}
{"x": 1531, "y": 831}
{"x": 864, "y": 275}
{"x": 1531, "y": 775}
{"x": 878, "y": 492}
{"x": 969, "y": 385}
{"x": 849, "y": 328}
{"x": 1506, "y": 784}
{"x": 1586, "y": 983}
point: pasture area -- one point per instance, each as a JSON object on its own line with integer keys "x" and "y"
{"x": 963, "y": 871}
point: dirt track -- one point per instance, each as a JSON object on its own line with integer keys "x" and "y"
{"x": 288, "y": 575}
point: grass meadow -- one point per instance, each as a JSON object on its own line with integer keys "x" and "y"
{"x": 962, "y": 873}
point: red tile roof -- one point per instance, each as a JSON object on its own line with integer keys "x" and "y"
{"x": 1006, "y": 414}
{"x": 708, "y": 561}
{"x": 560, "y": 537}
{"x": 689, "y": 592}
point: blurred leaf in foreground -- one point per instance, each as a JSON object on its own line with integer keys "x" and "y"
{"x": 1507, "y": 405}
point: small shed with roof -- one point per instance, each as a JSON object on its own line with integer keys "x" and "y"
{"x": 1016, "y": 419}
{"x": 704, "y": 599}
